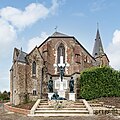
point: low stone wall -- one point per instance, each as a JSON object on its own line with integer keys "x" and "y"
{"x": 32, "y": 111}
{"x": 16, "y": 110}
{"x": 101, "y": 108}
{"x": 105, "y": 112}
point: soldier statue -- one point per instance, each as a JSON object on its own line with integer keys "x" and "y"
{"x": 62, "y": 70}
{"x": 50, "y": 85}
{"x": 71, "y": 85}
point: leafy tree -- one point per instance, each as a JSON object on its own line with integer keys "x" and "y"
{"x": 5, "y": 95}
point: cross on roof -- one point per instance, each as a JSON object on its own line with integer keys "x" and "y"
{"x": 97, "y": 26}
{"x": 56, "y": 28}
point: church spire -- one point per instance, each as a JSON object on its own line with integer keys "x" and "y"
{"x": 98, "y": 47}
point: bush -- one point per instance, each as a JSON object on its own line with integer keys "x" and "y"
{"x": 99, "y": 82}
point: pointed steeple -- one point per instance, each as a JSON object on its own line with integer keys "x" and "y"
{"x": 98, "y": 47}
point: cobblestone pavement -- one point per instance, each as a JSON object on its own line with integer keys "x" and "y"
{"x": 4, "y": 115}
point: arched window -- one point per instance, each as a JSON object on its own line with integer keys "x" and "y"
{"x": 61, "y": 52}
{"x": 34, "y": 68}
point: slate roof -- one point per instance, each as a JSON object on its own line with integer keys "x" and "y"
{"x": 22, "y": 56}
{"x": 58, "y": 34}
{"x": 98, "y": 47}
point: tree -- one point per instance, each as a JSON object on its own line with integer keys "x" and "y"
{"x": 5, "y": 95}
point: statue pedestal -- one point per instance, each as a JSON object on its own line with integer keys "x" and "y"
{"x": 61, "y": 87}
{"x": 50, "y": 95}
{"x": 61, "y": 93}
{"x": 72, "y": 96}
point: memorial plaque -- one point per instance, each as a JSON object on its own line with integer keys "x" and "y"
{"x": 58, "y": 83}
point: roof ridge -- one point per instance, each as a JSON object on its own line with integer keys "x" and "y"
{"x": 58, "y": 34}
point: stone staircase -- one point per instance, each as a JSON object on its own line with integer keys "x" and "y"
{"x": 60, "y": 108}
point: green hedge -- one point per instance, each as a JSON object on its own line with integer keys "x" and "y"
{"x": 99, "y": 82}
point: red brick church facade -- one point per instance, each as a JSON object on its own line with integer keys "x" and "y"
{"x": 30, "y": 72}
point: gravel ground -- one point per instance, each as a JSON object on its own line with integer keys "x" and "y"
{"x": 4, "y": 115}
{"x": 12, "y": 116}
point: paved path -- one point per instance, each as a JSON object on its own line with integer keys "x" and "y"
{"x": 14, "y": 116}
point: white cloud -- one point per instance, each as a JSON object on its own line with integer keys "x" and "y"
{"x": 116, "y": 37}
{"x": 113, "y": 50}
{"x": 98, "y": 5}
{"x": 12, "y": 18}
{"x": 7, "y": 35}
{"x": 31, "y": 14}
{"x": 22, "y": 19}
{"x": 36, "y": 41}
{"x": 54, "y": 6}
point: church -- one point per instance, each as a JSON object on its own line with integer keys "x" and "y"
{"x": 30, "y": 72}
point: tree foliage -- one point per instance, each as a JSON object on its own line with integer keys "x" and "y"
{"x": 99, "y": 82}
{"x": 5, "y": 95}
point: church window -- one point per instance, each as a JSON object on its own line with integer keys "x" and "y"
{"x": 85, "y": 60}
{"x": 77, "y": 50}
{"x": 77, "y": 58}
{"x": 34, "y": 92}
{"x": 34, "y": 68}
{"x": 61, "y": 52}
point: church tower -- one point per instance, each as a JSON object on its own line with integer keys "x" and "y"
{"x": 98, "y": 51}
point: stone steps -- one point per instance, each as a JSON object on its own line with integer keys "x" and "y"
{"x": 58, "y": 115}
{"x": 72, "y": 106}
{"x": 46, "y": 105}
{"x": 62, "y": 111}
{"x": 68, "y": 108}
{"x": 77, "y": 106}
{"x": 43, "y": 104}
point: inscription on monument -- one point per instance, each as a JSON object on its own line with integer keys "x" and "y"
{"x": 57, "y": 84}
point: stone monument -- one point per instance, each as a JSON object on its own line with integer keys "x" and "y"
{"x": 61, "y": 83}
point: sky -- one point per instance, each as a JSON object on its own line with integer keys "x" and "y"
{"x": 27, "y": 23}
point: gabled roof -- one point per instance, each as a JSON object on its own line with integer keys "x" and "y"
{"x": 58, "y": 34}
{"x": 98, "y": 47}
{"x": 38, "y": 52}
{"x": 21, "y": 56}
{"x": 61, "y": 35}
